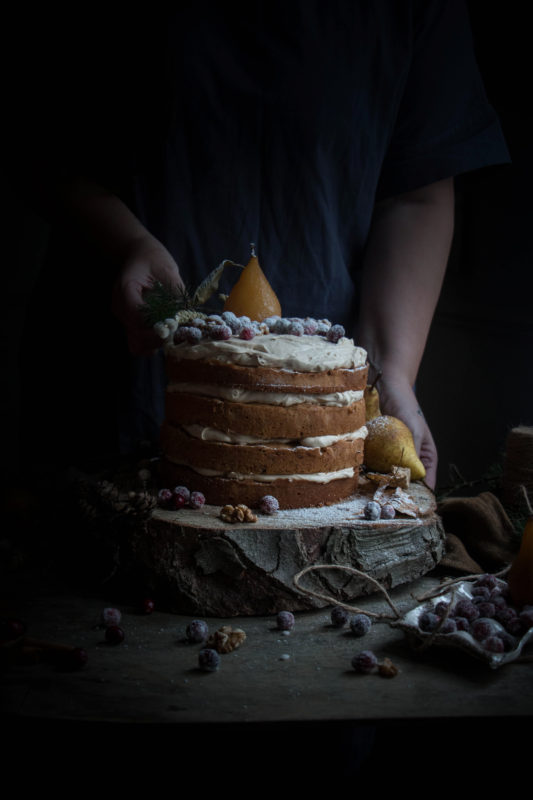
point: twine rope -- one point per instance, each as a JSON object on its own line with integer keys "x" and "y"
{"x": 335, "y": 601}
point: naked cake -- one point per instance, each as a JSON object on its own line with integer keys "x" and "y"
{"x": 274, "y": 408}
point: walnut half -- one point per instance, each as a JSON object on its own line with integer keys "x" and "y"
{"x": 226, "y": 639}
{"x": 239, "y": 513}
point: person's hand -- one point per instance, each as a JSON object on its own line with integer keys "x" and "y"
{"x": 397, "y": 398}
{"x": 146, "y": 263}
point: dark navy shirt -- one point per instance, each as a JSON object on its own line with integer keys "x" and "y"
{"x": 290, "y": 118}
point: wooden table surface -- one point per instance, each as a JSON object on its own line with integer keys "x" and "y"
{"x": 153, "y": 675}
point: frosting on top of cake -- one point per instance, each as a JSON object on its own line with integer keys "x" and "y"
{"x": 281, "y": 351}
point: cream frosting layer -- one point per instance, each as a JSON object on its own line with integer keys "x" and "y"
{"x": 236, "y": 395}
{"x": 214, "y": 435}
{"x": 314, "y": 477}
{"x": 281, "y": 351}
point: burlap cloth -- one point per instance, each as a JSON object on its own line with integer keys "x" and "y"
{"x": 479, "y": 534}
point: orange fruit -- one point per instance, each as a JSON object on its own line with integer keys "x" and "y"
{"x": 252, "y": 296}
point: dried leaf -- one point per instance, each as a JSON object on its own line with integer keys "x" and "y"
{"x": 404, "y": 504}
{"x": 210, "y": 284}
{"x": 398, "y": 476}
{"x": 399, "y": 500}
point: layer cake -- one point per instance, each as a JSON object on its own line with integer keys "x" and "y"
{"x": 276, "y": 413}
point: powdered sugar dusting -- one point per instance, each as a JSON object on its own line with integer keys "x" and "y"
{"x": 348, "y": 513}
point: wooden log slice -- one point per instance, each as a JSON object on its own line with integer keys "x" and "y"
{"x": 197, "y": 564}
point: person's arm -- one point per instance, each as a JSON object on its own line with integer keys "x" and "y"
{"x": 404, "y": 268}
{"x": 105, "y": 222}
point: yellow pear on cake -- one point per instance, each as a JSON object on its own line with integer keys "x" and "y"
{"x": 389, "y": 444}
{"x": 252, "y": 295}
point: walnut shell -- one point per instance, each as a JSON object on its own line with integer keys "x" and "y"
{"x": 226, "y": 639}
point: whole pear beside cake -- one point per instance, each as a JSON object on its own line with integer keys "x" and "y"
{"x": 389, "y": 443}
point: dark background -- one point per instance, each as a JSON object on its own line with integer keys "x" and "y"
{"x": 476, "y": 381}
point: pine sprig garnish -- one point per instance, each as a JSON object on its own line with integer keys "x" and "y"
{"x": 163, "y": 302}
{"x": 166, "y": 302}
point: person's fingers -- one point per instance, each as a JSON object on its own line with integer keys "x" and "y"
{"x": 428, "y": 457}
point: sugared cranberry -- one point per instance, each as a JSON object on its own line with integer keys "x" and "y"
{"x": 197, "y": 630}
{"x": 219, "y": 332}
{"x": 486, "y": 609}
{"x": 187, "y": 333}
{"x": 339, "y": 616}
{"x": 296, "y": 328}
{"x": 247, "y": 333}
{"x": 516, "y": 626}
{"x": 180, "y": 497}
{"x": 372, "y": 510}
{"x": 114, "y": 635}
{"x": 488, "y": 580}
{"x": 111, "y": 616}
{"x": 365, "y": 662}
{"x": 465, "y": 608}
{"x": 505, "y": 615}
{"x": 509, "y": 642}
{"x": 428, "y": 621}
{"x": 360, "y": 624}
{"x": 285, "y": 620}
{"x": 196, "y": 500}
{"x": 164, "y": 496}
{"x": 481, "y": 629}
{"x": 335, "y": 333}
{"x": 462, "y": 623}
{"x": 388, "y": 511}
{"x": 147, "y": 605}
{"x": 268, "y": 504}
{"x": 281, "y": 326}
{"x": 494, "y": 644}
{"x": 182, "y": 491}
{"x": 208, "y": 660}
{"x": 526, "y": 617}
{"x": 310, "y": 326}
{"x": 178, "y": 501}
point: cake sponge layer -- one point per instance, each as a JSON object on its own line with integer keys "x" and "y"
{"x": 290, "y": 493}
{"x": 282, "y": 458}
{"x": 264, "y": 421}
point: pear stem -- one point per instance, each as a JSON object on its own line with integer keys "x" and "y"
{"x": 252, "y": 249}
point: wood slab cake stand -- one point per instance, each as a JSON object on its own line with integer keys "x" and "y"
{"x": 198, "y": 564}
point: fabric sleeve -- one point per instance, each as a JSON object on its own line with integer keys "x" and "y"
{"x": 445, "y": 125}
